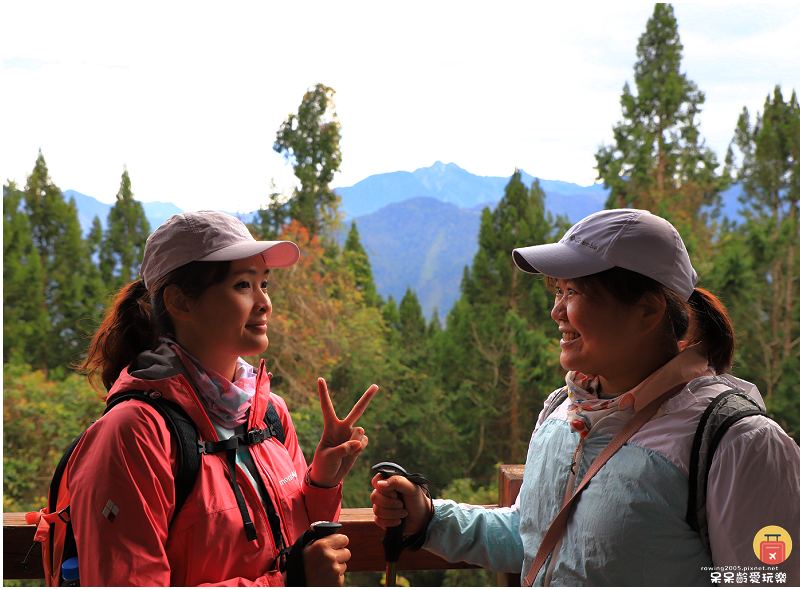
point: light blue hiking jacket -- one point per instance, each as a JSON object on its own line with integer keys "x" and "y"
{"x": 629, "y": 527}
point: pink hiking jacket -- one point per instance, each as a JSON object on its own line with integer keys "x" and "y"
{"x": 121, "y": 482}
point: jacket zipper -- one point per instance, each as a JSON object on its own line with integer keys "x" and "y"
{"x": 573, "y": 473}
{"x": 263, "y": 373}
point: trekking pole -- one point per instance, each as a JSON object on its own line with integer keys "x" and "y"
{"x": 323, "y": 528}
{"x": 392, "y": 541}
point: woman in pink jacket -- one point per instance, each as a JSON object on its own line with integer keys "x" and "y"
{"x": 180, "y": 332}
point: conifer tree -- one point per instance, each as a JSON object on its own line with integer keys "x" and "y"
{"x": 24, "y": 315}
{"x": 272, "y": 217}
{"x": 657, "y": 160}
{"x": 391, "y": 315}
{"x": 412, "y": 322}
{"x": 94, "y": 239}
{"x": 494, "y": 353}
{"x": 310, "y": 140}
{"x": 764, "y": 157}
{"x": 68, "y": 281}
{"x": 357, "y": 260}
{"x": 435, "y": 325}
{"x": 125, "y": 236}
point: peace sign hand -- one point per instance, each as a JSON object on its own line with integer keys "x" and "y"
{"x": 341, "y": 442}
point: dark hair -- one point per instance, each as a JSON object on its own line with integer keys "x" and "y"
{"x": 702, "y": 320}
{"x": 138, "y": 317}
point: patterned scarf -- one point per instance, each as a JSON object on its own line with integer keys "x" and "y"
{"x": 586, "y": 407}
{"x": 227, "y": 403}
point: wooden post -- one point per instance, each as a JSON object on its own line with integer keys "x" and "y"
{"x": 509, "y": 481}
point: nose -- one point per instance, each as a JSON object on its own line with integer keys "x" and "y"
{"x": 559, "y": 311}
{"x": 263, "y": 302}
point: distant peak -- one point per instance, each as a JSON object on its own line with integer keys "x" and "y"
{"x": 439, "y": 167}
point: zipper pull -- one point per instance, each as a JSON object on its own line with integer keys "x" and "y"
{"x": 573, "y": 467}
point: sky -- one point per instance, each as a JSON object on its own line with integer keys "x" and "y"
{"x": 189, "y": 95}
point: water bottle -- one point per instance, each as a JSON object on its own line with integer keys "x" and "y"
{"x": 69, "y": 572}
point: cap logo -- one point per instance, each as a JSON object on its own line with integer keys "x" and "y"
{"x": 582, "y": 242}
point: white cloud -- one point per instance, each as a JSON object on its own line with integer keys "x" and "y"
{"x": 190, "y": 95}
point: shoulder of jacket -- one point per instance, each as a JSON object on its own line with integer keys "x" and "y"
{"x": 132, "y": 419}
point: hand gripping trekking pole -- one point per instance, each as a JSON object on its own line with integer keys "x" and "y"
{"x": 323, "y": 528}
{"x": 392, "y": 541}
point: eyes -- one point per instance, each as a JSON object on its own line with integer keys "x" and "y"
{"x": 570, "y": 291}
{"x": 244, "y": 285}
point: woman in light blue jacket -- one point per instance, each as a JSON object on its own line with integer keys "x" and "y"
{"x": 637, "y": 338}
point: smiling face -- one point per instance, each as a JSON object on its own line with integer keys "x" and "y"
{"x": 599, "y": 335}
{"x": 230, "y": 318}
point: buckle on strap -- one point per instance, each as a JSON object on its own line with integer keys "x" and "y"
{"x": 63, "y": 513}
{"x": 250, "y": 438}
{"x": 254, "y": 437}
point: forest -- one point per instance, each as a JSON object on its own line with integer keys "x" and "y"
{"x": 458, "y": 395}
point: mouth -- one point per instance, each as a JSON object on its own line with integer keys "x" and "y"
{"x": 259, "y": 326}
{"x": 569, "y": 336}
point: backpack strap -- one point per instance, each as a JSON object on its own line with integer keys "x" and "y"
{"x": 274, "y": 423}
{"x": 179, "y": 423}
{"x": 557, "y": 400}
{"x": 274, "y": 429}
{"x": 69, "y": 548}
{"x": 723, "y": 412}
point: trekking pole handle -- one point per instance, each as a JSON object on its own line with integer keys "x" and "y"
{"x": 393, "y": 539}
{"x": 323, "y": 528}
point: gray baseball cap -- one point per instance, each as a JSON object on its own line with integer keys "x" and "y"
{"x": 629, "y": 238}
{"x": 207, "y": 236}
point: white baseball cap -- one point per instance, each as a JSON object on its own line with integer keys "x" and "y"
{"x": 632, "y": 239}
{"x": 207, "y": 236}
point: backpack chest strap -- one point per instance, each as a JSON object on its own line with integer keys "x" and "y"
{"x": 246, "y": 439}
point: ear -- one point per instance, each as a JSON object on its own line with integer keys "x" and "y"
{"x": 178, "y": 305}
{"x": 652, "y": 309}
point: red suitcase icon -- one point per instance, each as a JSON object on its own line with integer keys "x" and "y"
{"x": 773, "y": 552}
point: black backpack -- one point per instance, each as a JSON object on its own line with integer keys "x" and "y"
{"x": 723, "y": 412}
{"x": 60, "y": 542}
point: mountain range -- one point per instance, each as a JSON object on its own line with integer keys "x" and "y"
{"x": 419, "y": 228}
{"x": 450, "y": 183}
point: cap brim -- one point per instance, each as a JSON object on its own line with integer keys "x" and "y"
{"x": 558, "y": 261}
{"x": 276, "y": 254}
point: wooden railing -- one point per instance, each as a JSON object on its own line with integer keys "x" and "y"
{"x": 358, "y": 525}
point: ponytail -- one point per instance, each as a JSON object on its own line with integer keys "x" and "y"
{"x": 712, "y": 329}
{"x": 126, "y": 330}
{"x": 138, "y": 317}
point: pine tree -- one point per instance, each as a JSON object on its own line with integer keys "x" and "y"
{"x": 24, "y": 315}
{"x": 412, "y": 322}
{"x": 125, "y": 236}
{"x": 67, "y": 283}
{"x": 310, "y": 140}
{"x": 768, "y": 317}
{"x": 272, "y": 217}
{"x": 357, "y": 260}
{"x": 657, "y": 160}
{"x": 494, "y": 353}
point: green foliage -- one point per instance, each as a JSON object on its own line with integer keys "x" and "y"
{"x": 357, "y": 260}
{"x": 464, "y": 490}
{"x": 271, "y": 217}
{"x": 24, "y": 313}
{"x": 757, "y": 263}
{"x": 495, "y": 357}
{"x": 124, "y": 239}
{"x": 40, "y": 419}
{"x": 310, "y": 140}
{"x": 657, "y": 160}
{"x": 68, "y": 283}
